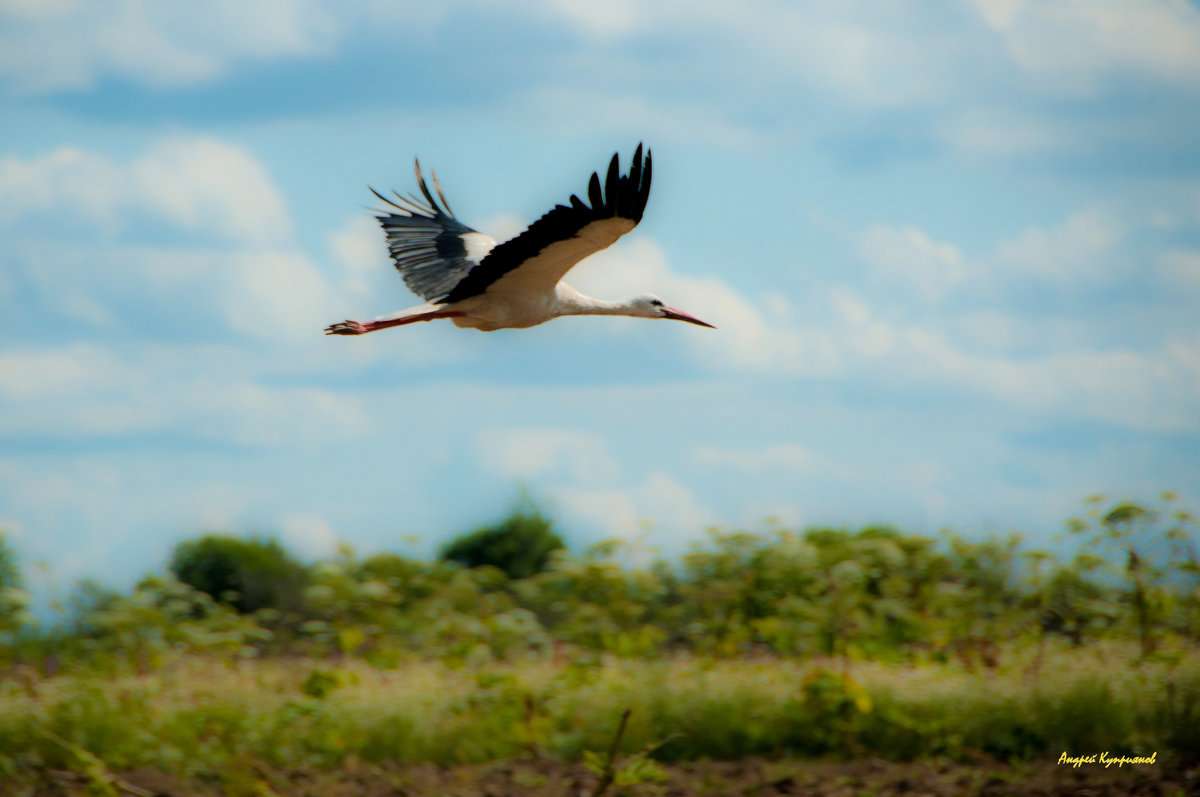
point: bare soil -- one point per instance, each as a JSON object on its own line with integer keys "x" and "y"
{"x": 749, "y": 778}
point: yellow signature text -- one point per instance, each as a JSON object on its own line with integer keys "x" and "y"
{"x": 1107, "y": 760}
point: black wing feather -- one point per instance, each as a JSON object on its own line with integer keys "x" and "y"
{"x": 622, "y": 196}
{"x": 425, "y": 241}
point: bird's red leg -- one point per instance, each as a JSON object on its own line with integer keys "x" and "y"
{"x": 363, "y": 327}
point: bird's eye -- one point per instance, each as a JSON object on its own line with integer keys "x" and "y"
{"x": 656, "y": 302}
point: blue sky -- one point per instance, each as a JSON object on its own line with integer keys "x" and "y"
{"x": 952, "y": 249}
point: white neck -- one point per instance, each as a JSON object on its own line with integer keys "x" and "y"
{"x": 571, "y": 302}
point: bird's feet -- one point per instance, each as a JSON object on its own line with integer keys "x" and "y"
{"x": 347, "y": 328}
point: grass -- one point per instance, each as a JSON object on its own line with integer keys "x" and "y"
{"x": 210, "y": 720}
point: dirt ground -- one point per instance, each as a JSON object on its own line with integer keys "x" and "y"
{"x": 863, "y": 778}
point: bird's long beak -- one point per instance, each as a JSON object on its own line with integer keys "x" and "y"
{"x": 679, "y": 315}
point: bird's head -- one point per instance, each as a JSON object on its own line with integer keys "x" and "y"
{"x": 650, "y": 306}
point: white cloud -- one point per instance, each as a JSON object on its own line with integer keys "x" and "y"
{"x": 503, "y": 226}
{"x": 908, "y": 257}
{"x": 37, "y": 9}
{"x": 864, "y": 54}
{"x": 979, "y": 73}
{"x": 235, "y": 268}
{"x": 781, "y": 456}
{"x": 310, "y": 536}
{"x": 1182, "y": 269}
{"x": 279, "y": 295}
{"x": 600, "y": 19}
{"x": 68, "y": 46}
{"x": 11, "y": 529}
{"x": 1083, "y": 249}
{"x": 672, "y": 506}
{"x": 1153, "y": 390}
{"x": 359, "y": 249}
{"x": 861, "y": 333}
{"x": 1078, "y": 249}
{"x": 749, "y": 337}
{"x": 82, "y": 390}
{"x": 276, "y": 296}
{"x": 660, "y": 502}
{"x": 531, "y": 452}
{"x": 999, "y": 133}
{"x": 213, "y": 186}
{"x": 1076, "y": 44}
{"x": 604, "y": 513}
{"x": 191, "y": 183}
{"x": 37, "y": 375}
{"x": 65, "y": 182}
{"x": 577, "y": 110}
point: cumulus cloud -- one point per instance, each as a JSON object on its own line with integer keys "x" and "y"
{"x": 10, "y": 528}
{"x": 1182, "y": 268}
{"x": 1153, "y": 390}
{"x": 603, "y": 512}
{"x": 1053, "y": 365}
{"x": 781, "y": 456}
{"x": 36, "y": 375}
{"x": 530, "y": 453}
{"x": 310, "y": 536}
{"x": 571, "y": 111}
{"x": 660, "y": 502}
{"x": 90, "y": 390}
{"x": 210, "y": 185}
{"x": 606, "y": 19}
{"x": 1075, "y": 44}
{"x": 193, "y": 184}
{"x": 750, "y": 336}
{"x": 64, "y": 182}
{"x": 68, "y": 45}
{"x": 279, "y": 295}
{"x": 908, "y": 258}
{"x": 858, "y": 334}
{"x": 233, "y": 267}
{"x": 1079, "y": 248}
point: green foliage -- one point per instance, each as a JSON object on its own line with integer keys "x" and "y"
{"x": 1147, "y": 542}
{"x": 157, "y": 622}
{"x": 818, "y": 642}
{"x": 856, "y": 596}
{"x": 521, "y": 545}
{"x": 197, "y": 719}
{"x": 10, "y": 568}
{"x": 321, "y": 683}
{"x": 249, "y": 574}
{"x": 14, "y": 600}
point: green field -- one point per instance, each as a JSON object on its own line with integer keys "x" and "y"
{"x": 228, "y": 724}
{"x": 826, "y": 661}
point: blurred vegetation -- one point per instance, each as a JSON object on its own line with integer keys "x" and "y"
{"x": 248, "y": 574}
{"x": 785, "y": 642}
{"x": 14, "y": 600}
{"x": 521, "y": 545}
{"x": 512, "y": 589}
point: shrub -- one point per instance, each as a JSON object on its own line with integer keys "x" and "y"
{"x": 249, "y": 574}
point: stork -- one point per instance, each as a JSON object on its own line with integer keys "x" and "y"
{"x": 465, "y": 276}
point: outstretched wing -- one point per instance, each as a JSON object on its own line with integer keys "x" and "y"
{"x": 432, "y": 250}
{"x": 539, "y": 257}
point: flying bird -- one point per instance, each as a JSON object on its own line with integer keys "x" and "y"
{"x": 465, "y": 276}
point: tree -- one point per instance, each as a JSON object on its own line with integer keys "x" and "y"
{"x": 520, "y": 545}
{"x": 248, "y": 574}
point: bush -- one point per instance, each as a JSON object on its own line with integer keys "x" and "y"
{"x": 248, "y": 574}
{"x": 520, "y": 545}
